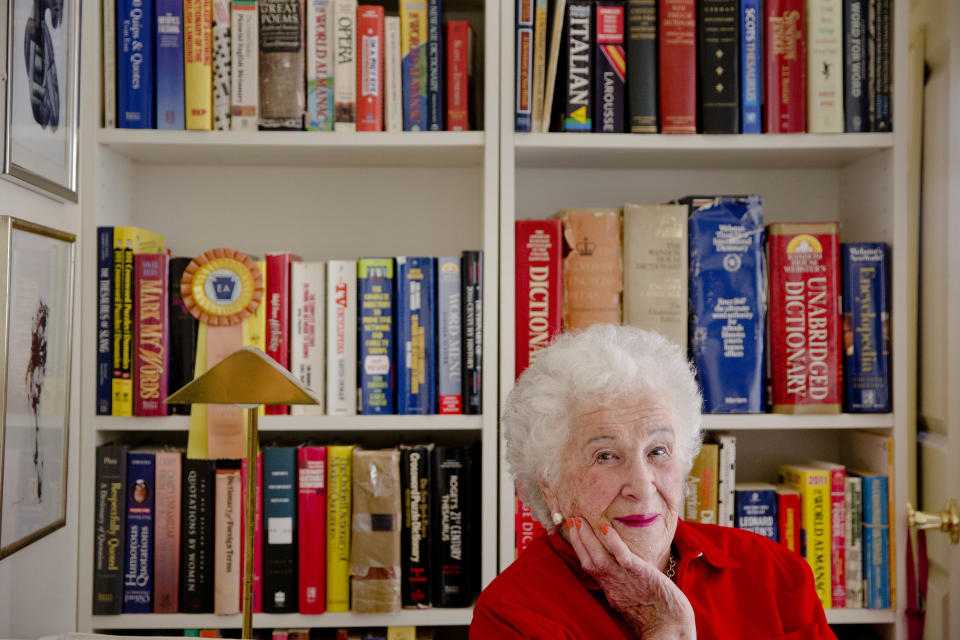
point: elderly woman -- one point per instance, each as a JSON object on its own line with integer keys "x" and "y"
{"x": 601, "y": 432}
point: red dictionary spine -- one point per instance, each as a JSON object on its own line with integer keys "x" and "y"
{"x": 151, "y": 334}
{"x": 678, "y": 66}
{"x": 459, "y": 38}
{"x": 538, "y": 295}
{"x": 278, "y": 315}
{"x": 785, "y": 82}
{"x": 369, "y": 68}
{"x": 312, "y": 535}
{"x": 166, "y": 541}
{"x": 788, "y": 518}
{"x": 838, "y": 527}
{"x": 526, "y": 527}
{"x": 257, "y": 532}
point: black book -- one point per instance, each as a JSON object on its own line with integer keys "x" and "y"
{"x": 718, "y": 26}
{"x": 641, "y": 39}
{"x": 279, "y": 530}
{"x": 451, "y": 567}
{"x": 471, "y": 283}
{"x": 609, "y": 67}
{"x": 416, "y": 484}
{"x": 884, "y": 116}
{"x": 856, "y": 112}
{"x": 196, "y": 536}
{"x": 109, "y": 525}
{"x": 183, "y": 336}
{"x": 472, "y": 536}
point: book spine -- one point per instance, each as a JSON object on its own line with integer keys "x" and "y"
{"x": 642, "y": 65}
{"x": 884, "y": 120}
{"x": 169, "y": 41}
{"x": 257, "y": 604}
{"x": 221, "y": 65}
{"x": 278, "y": 314}
{"x": 435, "y": 110}
{"x": 525, "y": 527}
{"x": 312, "y": 534}
{"x": 124, "y": 406}
{"x": 856, "y": 115}
{"x": 105, "y": 283}
{"x": 183, "y": 335}
{"x": 375, "y": 534}
{"x": 751, "y": 66}
{"x": 280, "y": 523}
{"x": 788, "y": 520}
{"x": 726, "y": 479}
{"x": 553, "y": 115}
{"x": 824, "y": 61}
{"x": 136, "y": 108}
{"x": 116, "y": 341}
{"x": 578, "y": 111}
{"x": 320, "y": 102}
{"x": 108, "y": 48}
{"x": 610, "y": 67}
{"x": 307, "y": 331}
{"x": 166, "y": 585}
{"x": 196, "y": 537}
{"x": 785, "y": 78}
{"x": 678, "y": 66}
{"x": 838, "y": 528}
{"x": 538, "y": 293}
{"x": 151, "y": 340}
{"x": 449, "y": 343}
{"x": 854, "y": 542}
{"x": 876, "y": 542}
{"x": 871, "y": 36}
{"x": 282, "y": 64}
{"x": 756, "y": 511}
{"x": 393, "y": 86}
{"x": 339, "y": 508}
{"x": 471, "y": 282}
{"x": 345, "y": 66}
{"x": 109, "y": 529}
{"x": 700, "y": 504}
{"x": 539, "y": 64}
{"x": 376, "y": 379}
{"x": 370, "y": 68}
{"x": 451, "y": 578}
{"x": 416, "y": 335}
{"x": 719, "y": 44}
{"x": 415, "y": 539}
{"x": 227, "y": 533}
{"x": 592, "y": 279}
{"x": 341, "y": 337}
{"x": 815, "y": 529}
{"x": 459, "y": 36}
{"x": 413, "y": 50}
{"x": 866, "y": 363}
{"x": 804, "y": 317}
{"x": 138, "y": 566}
{"x": 198, "y": 77}
{"x": 524, "y": 52}
{"x": 244, "y": 66}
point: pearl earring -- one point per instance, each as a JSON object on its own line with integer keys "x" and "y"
{"x": 557, "y": 518}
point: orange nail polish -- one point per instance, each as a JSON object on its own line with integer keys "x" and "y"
{"x": 604, "y": 530}
{"x": 579, "y": 524}
{"x": 570, "y": 524}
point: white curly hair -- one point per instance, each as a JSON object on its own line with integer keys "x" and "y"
{"x": 579, "y": 371}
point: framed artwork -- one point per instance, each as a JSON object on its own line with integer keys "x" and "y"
{"x": 36, "y": 318}
{"x": 39, "y": 86}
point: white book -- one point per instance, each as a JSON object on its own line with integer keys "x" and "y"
{"x": 307, "y": 331}
{"x": 393, "y": 92}
{"x": 221, "y": 65}
{"x": 228, "y": 533}
{"x": 824, "y": 66}
{"x": 244, "y": 67}
{"x": 109, "y": 8}
{"x": 726, "y": 479}
{"x": 342, "y": 337}
{"x": 853, "y": 542}
{"x": 345, "y": 65}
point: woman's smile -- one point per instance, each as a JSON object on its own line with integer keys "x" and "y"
{"x": 638, "y": 519}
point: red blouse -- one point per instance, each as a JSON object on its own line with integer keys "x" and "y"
{"x": 741, "y": 585}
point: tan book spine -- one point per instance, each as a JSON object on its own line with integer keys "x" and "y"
{"x": 228, "y": 530}
{"x": 166, "y": 541}
{"x": 701, "y": 501}
{"x": 375, "y": 551}
{"x": 592, "y": 268}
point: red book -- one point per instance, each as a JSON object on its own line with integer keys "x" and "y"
{"x": 369, "y": 69}
{"x": 312, "y": 523}
{"x": 166, "y": 537}
{"x": 151, "y": 333}
{"x": 526, "y": 527}
{"x": 804, "y": 261}
{"x": 838, "y": 528}
{"x": 538, "y": 294}
{"x": 459, "y": 74}
{"x": 678, "y": 66}
{"x": 257, "y": 533}
{"x": 788, "y": 517}
{"x": 785, "y": 82}
{"x": 278, "y": 315}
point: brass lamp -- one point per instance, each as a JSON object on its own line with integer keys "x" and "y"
{"x": 246, "y": 378}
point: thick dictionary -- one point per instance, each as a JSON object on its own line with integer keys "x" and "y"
{"x": 375, "y": 535}
{"x": 416, "y": 335}
{"x": 415, "y": 541}
{"x": 435, "y": 64}
{"x": 785, "y": 78}
{"x": 866, "y": 328}
{"x": 578, "y": 112}
{"x": 678, "y": 66}
{"x": 592, "y": 266}
{"x": 282, "y": 99}
{"x": 109, "y": 529}
{"x": 538, "y": 247}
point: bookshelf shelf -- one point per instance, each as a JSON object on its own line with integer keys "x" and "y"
{"x": 779, "y": 421}
{"x": 571, "y": 150}
{"x": 297, "y": 148}
{"x": 319, "y": 424}
{"x": 860, "y": 616}
{"x": 418, "y": 617}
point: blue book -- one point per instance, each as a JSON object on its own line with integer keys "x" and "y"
{"x": 170, "y": 87}
{"x": 449, "y": 344}
{"x": 375, "y": 340}
{"x": 416, "y": 336}
{"x": 727, "y": 320}
{"x": 135, "y": 62}
{"x": 138, "y": 558}
{"x": 104, "y": 321}
{"x": 876, "y": 539}
{"x": 756, "y": 508}
{"x": 280, "y": 530}
{"x": 435, "y": 55}
{"x": 866, "y": 331}
{"x": 751, "y": 65}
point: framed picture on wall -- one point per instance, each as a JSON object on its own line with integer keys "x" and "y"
{"x": 36, "y": 318}
{"x": 39, "y": 86}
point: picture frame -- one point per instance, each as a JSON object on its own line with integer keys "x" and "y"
{"x": 39, "y": 109}
{"x": 36, "y": 329}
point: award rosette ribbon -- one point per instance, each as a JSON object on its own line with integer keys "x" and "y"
{"x": 221, "y": 288}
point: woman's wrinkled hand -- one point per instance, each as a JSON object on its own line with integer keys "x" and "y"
{"x": 646, "y": 598}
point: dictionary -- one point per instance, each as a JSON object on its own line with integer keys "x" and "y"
{"x": 449, "y": 344}
{"x": 610, "y": 67}
{"x": 109, "y": 529}
{"x": 538, "y": 290}
{"x": 592, "y": 266}
{"x": 415, "y": 538}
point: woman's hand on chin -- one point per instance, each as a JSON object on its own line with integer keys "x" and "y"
{"x": 646, "y": 598}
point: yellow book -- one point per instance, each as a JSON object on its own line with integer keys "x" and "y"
{"x": 815, "y": 531}
{"x": 198, "y": 78}
{"x": 701, "y": 499}
{"x": 402, "y": 633}
{"x": 339, "y": 488}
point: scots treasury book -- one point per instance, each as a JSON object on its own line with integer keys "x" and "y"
{"x": 413, "y": 51}
{"x": 339, "y": 510}
{"x": 538, "y": 247}
{"x": 228, "y": 531}
{"x": 592, "y": 266}
{"x": 449, "y": 343}
{"x": 417, "y": 488}
{"x": 105, "y": 329}
{"x": 866, "y": 330}
{"x": 784, "y": 83}
{"x": 751, "y": 66}
{"x": 170, "y": 98}
{"x": 678, "y": 66}
{"x": 756, "y": 508}
{"x": 109, "y": 529}
{"x": 876, "y": 539}
{"x": 719, "y": 35}
{"x": 727, "y": 303}
{"x": 244, "y": 65}
{"x": 197, "y": 51}
{"x": 856, "y": 113}
{"x": 376, "y": 377}
{"x": 138, "y": 559}
{"x": 577, "y": 97}
{"x": 166, "y": 574}
{"x": 341, "y": 337}
{"x": 221, "y": 65}
{"x": 416, "y": 335}
{"x": 824, "y": 22}
{"x": 320, "y": 57}
{"x": 642, "y": 66}
{"x": 280, "y": 527}
{"x": 312, "y": 532}
{"x": 815, "y": 527}
{"x": 307, "y": 333}
{"x": 277, "y": 303}
{"x": 524, "y": 77}
{"x": 435, "y": 65}
{"x": 471, "y": 283}
{"x": 345, "y": 65}
{"x": 610, "y": 73}
{"x": 196, "y": 536}
{"x": 136, "y": 106}
{"x": 370, "y": 68}
{"x": 151, "y": 334}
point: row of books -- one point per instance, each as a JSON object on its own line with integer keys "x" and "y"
{"x": 396, "y": 632}
{"x": 784, "y": 311}
{"x": 713, "y": 66}
{"x": 371, "y": 336}
{"x": 338, "y": 528}
{"x": 320, "y": 65}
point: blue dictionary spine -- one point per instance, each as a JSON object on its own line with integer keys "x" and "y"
{"x": 135, "y": 61}
{"x": 727, "y": 303}
{"x": 375, "y": 373}
{"x": 280, "y": 530}
{"x": 866, "y": 332}
{"x": 449, "y": 346}
{"x": 435, "y": 51}
{"x": 876, "y": 540}
{"x": 756, "y": 509}
{"x": 170, "y": 88}
{"x": 416, "y": 336}
{"x": 138, "y": 559}
{"x": 104, "y": 320}
{"x": 855, "y": 100}
{"x": 751, "y": 65}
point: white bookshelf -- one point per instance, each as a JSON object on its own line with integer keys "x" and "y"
{"x": 341, "y": 426}
{"x": 417, "y": 617}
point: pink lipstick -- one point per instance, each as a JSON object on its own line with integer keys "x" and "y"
{"x": 639, "y": 519}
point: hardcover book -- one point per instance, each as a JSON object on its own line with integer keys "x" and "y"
{"x": 183, "y": 335}
{"x": 370, "y": 68}
{"x": 341, "y": 337}
{"x": 110, "y": 529}
{"x": 460, "y": 51}
{"x": 853, "y": 542}
{"x": 138, "y": 558}
{"x": 376, "y": 378}
{"x": 785, "y": 78}
{"x": 578, "y": 52}
{"x": 610, "y": 72}
{"x": 756, "y": 508}
{"x": 321, "y": 27}
{"x": 228, "y": 531}
{"x": 866, "y": 330}
{"x": 197, "y": 51}
{"x": 151, "y": 334}
{"x": 345, "y": 65}
{"x": 339, "y": 510}
{"x": 876, "y": 539}
{"x": 726, "y": 477}
{"x": 435, "y": 64}
{"x": 592, "y": 266}
{"x": 883, "y": 74}
{"x": 415, "y": 541}
{"x": 136, "y": 106}
{"x": 815, "y": 526}
{"x": 105, "y": 329}
{"x": 788, "y": 517}
{"x": 280, "y": 526}
{"x": 838, "y": 528}
{"x": 244, "y": 65}
{"x": 166, "y": 579}
{"x": 856, "y": 114}
{"x": 277, "y": 301}
{"x": 451, "y": 567}
{"x": 375, "y": 535}
{"x": 678, "y": 66}
{"x": 312, "y": 534}
{"x": 824, "y": 66}
{"x": 538, "y": 293}
{"x": 751, "y": 66}
{"x": 539, "y": 56}
{"x": 719, "y": 43}
{"x": 449, "y": 343}
{"x": 524, "y": 78}
{"x": 169, "y": 40}
{"x": 471, "y": 282}
{"x": 307, "y": 331}
{"x": 196, "y": 536}
{"x": 413, "y": 52}
{"x": 282, "y": 62}
{"x": 700, "y": 498}
{"x": 108, "y": 13}
{"x": 416, "y": 335}
{"x": 555, "y": 82}
{"x": 393, "y": 86}
{"x": 642, "y": 66}
{"x": 221, "y": 65}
